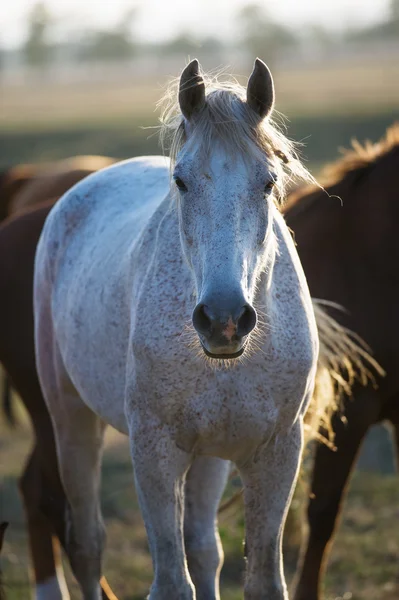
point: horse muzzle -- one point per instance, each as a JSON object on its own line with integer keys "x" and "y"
{"x": 223, "y": 332}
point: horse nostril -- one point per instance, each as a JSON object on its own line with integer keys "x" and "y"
{"x": 201, "y": 320}
{"x": 246, "y": 321}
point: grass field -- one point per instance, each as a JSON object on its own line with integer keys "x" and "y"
{"x": 363, "y": 566}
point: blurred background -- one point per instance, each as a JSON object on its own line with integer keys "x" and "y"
{"x": 83, "y": 77}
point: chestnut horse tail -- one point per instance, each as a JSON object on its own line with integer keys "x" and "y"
{"x": 344, "y": 358}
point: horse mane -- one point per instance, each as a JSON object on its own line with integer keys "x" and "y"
{"x": 227, "y": 119}
{"x": 347, "y": 170}
{"x": 362, "y": 157}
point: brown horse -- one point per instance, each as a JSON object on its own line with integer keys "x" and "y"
{"x": 349, "y": 247}
{"x": 42, "y": 492}
{"x": 26, "y": 185}
{"x": 18, "y": 239}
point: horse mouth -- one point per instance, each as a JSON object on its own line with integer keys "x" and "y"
{"x": 223, "y": 356}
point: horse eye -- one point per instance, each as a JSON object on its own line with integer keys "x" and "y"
{"x": 180, "y": 184}
{"x": 270, "y": 185}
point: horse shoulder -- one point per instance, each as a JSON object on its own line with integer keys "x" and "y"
{"x": 292, "y": 310}
{"x": 120, "y": 189}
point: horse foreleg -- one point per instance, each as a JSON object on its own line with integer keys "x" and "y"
{"x": 330, "y": 475}
{"x": 205, "y": 483}
{"x": 269, "y": 478}
{"x": 160, "y": 468}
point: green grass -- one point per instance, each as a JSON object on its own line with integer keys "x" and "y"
{"x": 364, "y": 561}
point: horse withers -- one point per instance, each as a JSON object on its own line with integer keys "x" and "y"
{"x": 176, "y": 310}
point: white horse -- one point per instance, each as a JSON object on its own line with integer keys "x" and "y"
{"x": 126, "y": 259}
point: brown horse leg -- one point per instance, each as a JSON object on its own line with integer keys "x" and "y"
{"x": 44, "y": 547}
{"x": 330, "y": 476}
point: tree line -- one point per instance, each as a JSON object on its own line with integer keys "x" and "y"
{"x": 259, "y": 34}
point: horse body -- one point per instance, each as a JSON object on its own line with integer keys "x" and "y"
{"x": 120, "y": 265}
{"x": 127, "y": 266}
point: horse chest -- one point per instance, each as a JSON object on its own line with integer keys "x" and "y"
{"x": 227, "y": 424}
{"x": 219, "y": 413}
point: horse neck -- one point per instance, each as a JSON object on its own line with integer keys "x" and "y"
{"x": 281, "y": 261}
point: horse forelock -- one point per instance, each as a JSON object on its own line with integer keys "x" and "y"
{"x": 229, "y": 121}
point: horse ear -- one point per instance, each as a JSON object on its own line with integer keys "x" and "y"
{"x": 191, "y": 90}
{"x": 260, "y": 89}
